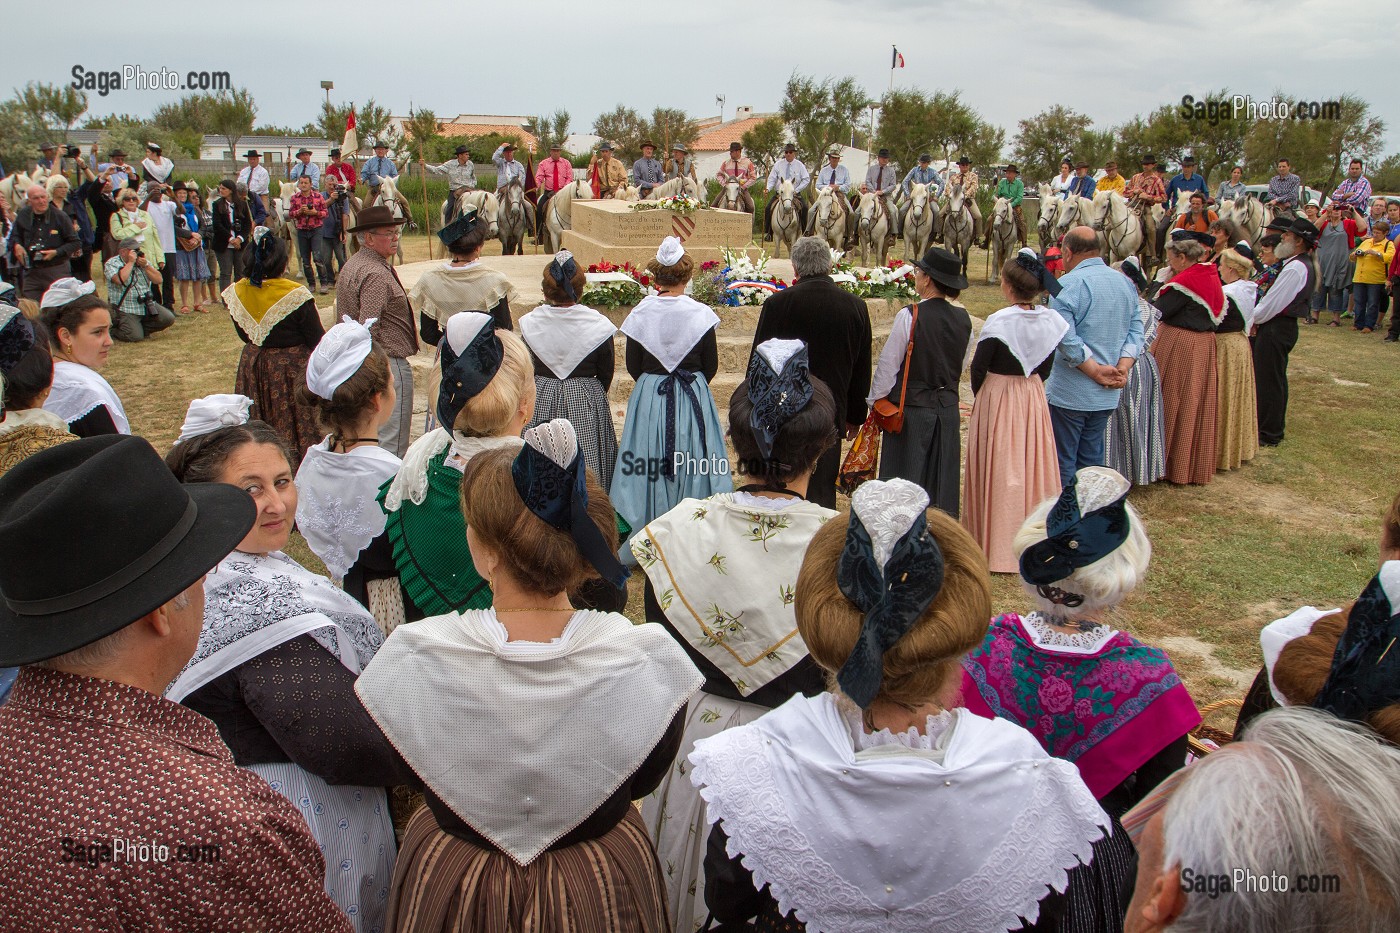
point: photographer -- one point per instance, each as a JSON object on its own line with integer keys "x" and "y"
{"x": 43, "y": 242}
{"x": 308, "y": 211}
{"x": 332, "y": 242}
{"x": 133, "y": 280}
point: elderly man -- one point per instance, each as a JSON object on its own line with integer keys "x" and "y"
{"x": 507, "y": 169}
{"x": 921, "y": 174}
{"x": 788, "y": 168}
{"x": 1292, "y": 828}
{"x": 43, "y": 241}
{"x": 370, "y": 289}
{"x": 124, "y": 810}
{"x": 131, "y": 281}
{"x": 882, "y": 179}
{"x": 551, "y": 175}
{"x": 379, "y": 167}
{"x": 461, "y": 175}
{"x": 1083, "y": 184}
{"x": 836, "y": 326}
{"x": 340, "y": 170}
{"x": 606, "y": 173}
{"x": 1355, "y": 189}
{"x": 253, "y": 175}
{"x": 680, "y": 163}
{"x": 1276, "y": 324}
{"x": 308, "y": 211}
{"x": 1285, "y": 192}
{"x": 1111, "y": 180}
{"x": 305, "y": 168}
{"x": 833, "y": 172}
{"x": 1103, "y": 342}
{"x": 647, "y": 172}
{"x": 966, "y": 179}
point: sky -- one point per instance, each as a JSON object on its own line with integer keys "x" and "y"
{"x": 1110, "y": 59}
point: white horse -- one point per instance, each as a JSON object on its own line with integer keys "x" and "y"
{"x": 829, "y": 217}
{"x": 733, "y": 197}
{"x": 957, "y": 225}
{"x": 1249, "y": 213}
{"x": 921, "y": 224}
{"x": 1003, "y": 233}
{"x": 390, "y": 197}
{"x": 14, "y": 189}
{"x": 872, "y": 227}
{"x": 786, "y": 219}
{"x": 1074, "y": 211}
{"x": 1049, "y": 213}
{"x": 681, "y": 184}
{"x": 517, "y": 218}
{"x": 559, "y": 212}
{"x": 627, "y": 193}
{"x": 1119, "y": 227}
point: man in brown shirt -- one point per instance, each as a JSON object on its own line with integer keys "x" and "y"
{"x": 119, "y": 809}
{"x": 370, "y": 289}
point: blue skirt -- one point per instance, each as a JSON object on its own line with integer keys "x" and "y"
{"x": 643, "y": 487}
{"x": 190, "y": 265}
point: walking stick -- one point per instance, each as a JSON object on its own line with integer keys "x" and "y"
{"x": 427, "y": 213}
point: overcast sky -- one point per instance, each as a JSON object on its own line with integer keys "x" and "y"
{"x": 1110, "y": 59}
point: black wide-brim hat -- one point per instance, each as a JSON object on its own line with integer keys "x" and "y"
{"x": 252, "y": 154}
{"x": 458, "y": 151}
{"x": 943, "y": 267}
{"x": 95, "y": 534}
{"x": 1305, "y": 230}
{"x": 1281, "y": 224}
{"x": 372, "y": 218}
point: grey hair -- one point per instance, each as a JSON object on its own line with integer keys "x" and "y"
{"x": 1303, "y": 796}
{"x": 91, "y": 657}
{"x": 1193, "y": 250}
{"x": 811, "y": 256}
{"x": 1106, "y": 582}
{"x": 362, "y": 238}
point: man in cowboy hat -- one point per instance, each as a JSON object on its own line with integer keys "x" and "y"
{"x": 379, "y": 167}
{"x": 882, "y": 178}
{"x": 833, "y": 172}
{"x": 551, "y": 175}
{"x": 340, "y": 171}
{"x": 680, "y": 163}
{"x": 124, "y": 810}
{"x": 305, "y": 168}
{"x": 1183, "y": 184}
{"x": 122, "y": 173}
{"x": 647, "y": 172}
{"x": 921, "y": 174}
{"x": 788, "y": 168}
{"x": 461, "y": 176}
{"x": 507, "y": 169}
{"x": 740, "y": 169}
{"x": 605, "y": 171}
{"x": 370, "y": 289}
{"x": 1111, "y": 180}
{"x": 1276, "y": 323}
{"x": 254, "y": 175}
{"x": 1011, "y": 187}
{"x": 1083, "y": 184}
{"x": 966, "y": 178}
{"x": 48, "y": 154}
{"x": 1144, "y": 191}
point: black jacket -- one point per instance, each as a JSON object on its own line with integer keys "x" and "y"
{"x": 836, "y": 326}
{"x": 51, "y": 230}
{"x": 242, "y": 225}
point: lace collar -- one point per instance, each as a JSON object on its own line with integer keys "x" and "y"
{"x": 1044, "y": 635}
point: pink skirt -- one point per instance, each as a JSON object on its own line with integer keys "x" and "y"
{"x": 1011, "y": 464}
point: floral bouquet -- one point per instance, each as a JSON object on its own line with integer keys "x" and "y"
{"x": 737, "y": 281}
{"x": 614, "y": 285}
{"x": 676, "y": 203}
{"x": 892, "y": 280}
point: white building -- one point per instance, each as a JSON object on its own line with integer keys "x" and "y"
{"x": 275, "y": 149}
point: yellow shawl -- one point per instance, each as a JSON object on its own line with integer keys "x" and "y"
{"x": 258, "y": 310}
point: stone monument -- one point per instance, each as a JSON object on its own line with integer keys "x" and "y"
{"x": 612, "y": 230}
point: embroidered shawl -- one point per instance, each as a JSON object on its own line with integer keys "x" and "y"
{"x": 258, "y": 310}
{"x": 338, "y": 502}
{"x": 444, "y": 289}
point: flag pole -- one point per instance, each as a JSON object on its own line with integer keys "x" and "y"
{"x": 894, "y": 51}
{"x": 427, "y": 211}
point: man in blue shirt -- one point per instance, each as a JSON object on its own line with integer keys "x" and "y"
{"x": 921, "y": 174}
{"x": 305, "y": 167}
{"x": 1103, "y": 342}
{"x": 1182, "y": 184}
{"x": 377, "y": 167}
{"x": 1083, "y": 184}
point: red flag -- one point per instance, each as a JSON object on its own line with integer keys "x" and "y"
{"x": 593, "y": 180}
{"x": 530, "y": 190}
{"x": 350, "y": 120}
{"x": 351, "y": 144}
{"x": 897, "y": 61}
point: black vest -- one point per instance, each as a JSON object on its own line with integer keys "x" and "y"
{"x": 1298, "y": 307}
{"x": 940, "y": 344}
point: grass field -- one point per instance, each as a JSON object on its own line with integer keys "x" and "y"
{"x": 1298, "y": 525}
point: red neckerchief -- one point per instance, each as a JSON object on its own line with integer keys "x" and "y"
{"x": 1201, "y": 283}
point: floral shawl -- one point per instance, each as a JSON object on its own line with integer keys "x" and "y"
{"x": 1108, "y": 711}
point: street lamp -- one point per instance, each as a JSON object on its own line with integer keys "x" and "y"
{"x": 327, "y": 86}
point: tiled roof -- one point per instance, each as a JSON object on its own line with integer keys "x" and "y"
{"x": 485, "y": 129}
{"x": 719, "y": 138}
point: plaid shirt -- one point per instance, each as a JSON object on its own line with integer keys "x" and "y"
{"x": 316, "y": 203}
{"x": 1354, "y": 191}
{"x": 1285, "y": 189}
{"x": 1145, "y": 187}
{"x": 133, "y": 299}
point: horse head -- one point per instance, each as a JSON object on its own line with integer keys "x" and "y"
{"x": 388, "y": 190}
{"x": 1045, "y": 193}
{"x": 1001, "y": 213}
{"x": 869, "y": 205}
{"x": 285, "y": 190}
{"x": 955, "y": 197}
{"x": 731, "y": 191}
{"x": 918, "y": 201}
{"x": 1102, "y": 209}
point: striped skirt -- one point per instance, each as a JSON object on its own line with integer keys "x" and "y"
{"x": 1186, "y": 360}
{"x": 1133, "y": 443}
{"x": 1237, "y": 433}
{"x": 1011, "y": 464}
{"x": 611, "y": 884}
{"x": 584, "y": 404}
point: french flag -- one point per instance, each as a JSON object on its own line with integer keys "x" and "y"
{"x": 897, "y": 61}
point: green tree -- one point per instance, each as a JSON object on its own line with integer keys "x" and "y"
{"x": 1318, "y": 149}
{"x": 549, "y": 130}
{"x": 624, "y": 128}
{"x": 1385, "y": 175}
{"x": 982, "y": 144}
{"x": 1094, "y": 147}
{"x": 231, "y": 116}
{"x": 820, "y": 113}
{"x": 1216, "y": 147}
{"x": 371, "y": 122}
{"x": 186, "y": 120}
{"x": 1046, "y": 138}
{"x": 422, "y": 130}
{"x": 764, "y": 142}
{"x": 669, "y": 126}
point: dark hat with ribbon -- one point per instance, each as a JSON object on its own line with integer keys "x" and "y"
{"x": 461, "y": 149}
{"x": 789, "y": 147}
{"x": 1280, "y": 224}
{"x": 372, "y": 218}
{"x": 1244, "y": 249}
{"x": 734, "y": 146}
{"x": 882, "y": 154}
{"x": 943, "y": 267}
{"x": 303, "y": 151}
{"x": 1304, "y": 230}
{"x": 1028, "y": 260}
{"x": 118, "y": 153}
{"x": 1081, "y": 164}
{"x": 1133, "y": 270}
{"x": 891, "y": 571}
{"x": 16, "y": 337}
{"x": 550, "y": 475}
{"x": 1011, "y": 168}
{"x": 334, "y": 152}
{"x": 1076, "y": 538}
{"x": 459, "y": 228}
{"x": 1365, "y": 674}
{"x": 471, "y": 357}
{"x": 62, "y": 583}
{"x": 605, "y": 145}
{"x": 1149, "y": 159}
{"x": 1205, "y": 239}
{"x": 379, "y": 144}
{"x": 647, "y": 143}
{"x": 924, "y": 157}
{"x": 252, "y": 154}
{"x": 964, "y": 160}
{"x": 508, "y": 147}
{"x": 1188, "y": 160}
{"x": 780, "y": 386}
{"x": 562, "y": 270}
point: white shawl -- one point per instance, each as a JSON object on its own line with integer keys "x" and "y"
{"x": 525, "y": 740}
{"x": 669, "y": 327}
{"x": 725, "y": 574}
{"x": 337, "y": 510}
{"x": 254, "y": 602}
{"x": 77, "y": 390}
{"x": 411, "y": 482}
{"x": 562, "y": 337}
{"x": 1030, "y": 334}
{"x": 959, "y": 836}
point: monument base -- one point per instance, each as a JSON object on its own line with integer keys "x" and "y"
{"x": 611, "y": 230}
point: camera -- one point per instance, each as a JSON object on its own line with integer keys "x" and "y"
{"x": 72, "y": 152}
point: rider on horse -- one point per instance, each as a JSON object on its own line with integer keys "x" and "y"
{"x": 966, "y": 178}
{"x": 739, "y": 169}
{"x": 1144, "y": 190}
{"x": 881, "y": 179}
{"x": 922, "y": 174}
{"x": 647, "y": 172}
{"x": 461, "y": 176}
{"x": 788, "y": 168}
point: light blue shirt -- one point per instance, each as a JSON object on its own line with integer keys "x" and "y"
{"x": 377, "y": 167}
{"x": 839, "y": 177}
{"x": 506, "y": 171}
{"x": 310, "y": 170}
{"x": 1105, "y": 323}
{"x": 918, "y": 175}
{"x": 793, "y": 171}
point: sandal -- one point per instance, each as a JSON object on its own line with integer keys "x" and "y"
{"x": 184, "y": 309}
{"x": 201, "y": 309}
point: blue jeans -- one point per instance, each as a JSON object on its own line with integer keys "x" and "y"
{"x": 307, "y": 244}
{"x": 1078, "y": 439}
{"x": 1330, "y": 299}
{"x": 1368, "y": 303}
